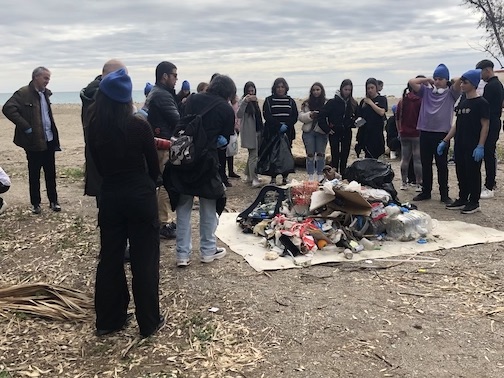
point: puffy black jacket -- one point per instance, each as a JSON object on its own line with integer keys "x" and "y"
{"x": 163, "y": 111}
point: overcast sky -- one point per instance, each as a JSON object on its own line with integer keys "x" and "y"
{"x": 303, "y": 41}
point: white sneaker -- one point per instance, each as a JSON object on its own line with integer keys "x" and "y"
{"x": 182, "y": 263}
{"x": 418, "y": 188}
{"x": 320, "y": 178}
{"x": 256, "y": 183}
{"x": 487, "y": 193}
{"x": 219, "y": 254}
{"x": 393, "y": 155}
{"x": 404, "y": 186}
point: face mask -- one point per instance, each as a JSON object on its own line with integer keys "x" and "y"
{"x": 439, "y": 90}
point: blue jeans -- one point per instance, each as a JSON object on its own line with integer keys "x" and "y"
{"x": 315, "y": 146}
{"x": 208, "y": 224}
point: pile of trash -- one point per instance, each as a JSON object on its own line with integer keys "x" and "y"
{"x": 304, "y": 217}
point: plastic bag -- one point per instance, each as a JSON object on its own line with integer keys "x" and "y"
{"x": 370, "y": 172}
{"x": 232, "y": 147}
{"x": 275, "y": 157}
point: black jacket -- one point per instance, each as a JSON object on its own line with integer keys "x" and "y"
{"x": 336, "y": 115}
{"x": 23, "y": 109}
{"x": 219, "y": 120}
{"x": 163, "y": 111}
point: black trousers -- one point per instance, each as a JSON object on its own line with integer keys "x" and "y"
{"x": 339, "y": 143}
{"x": 428, "y": 149}
{"x": 490, "y": 158}
{"x": 128, "y": 210}
{"x": 468, "y": 174}
{"x": 46, "y": 161}
{"x": 221, "y": 153}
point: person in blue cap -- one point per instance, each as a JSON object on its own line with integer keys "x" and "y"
{"x": 470, "y": 132}
{"x": 438, "y": 95}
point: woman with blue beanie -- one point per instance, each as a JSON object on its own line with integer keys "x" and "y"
{"x": 122, "y": 146}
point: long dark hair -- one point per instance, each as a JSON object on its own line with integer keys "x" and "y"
{"x": 108, "y": 123}
{"x": 409, "y": 88}
{"x": 316, "y": 103}
{"x": 252, "y": 106}
{"x": 345, "y": 83}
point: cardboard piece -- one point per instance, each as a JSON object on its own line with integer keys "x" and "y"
{"x": 349, "y": 202}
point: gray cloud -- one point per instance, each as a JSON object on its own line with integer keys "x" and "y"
{"x": 302, "y": 40}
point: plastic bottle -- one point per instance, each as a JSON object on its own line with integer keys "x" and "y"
{"x": 409, "y": 226}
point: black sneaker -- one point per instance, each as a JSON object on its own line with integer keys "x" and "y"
{"x": 36, "y": 209}
{"x": 422, "y": 197}
{"x": 446, "y": 200}
{"x": 227, "y": 184}
{"x": 458, "y": 204}
{"x": 470, "y": 208}
{"x": 234, "y": 175}
{"x": 168, "y": 231}
{"x": 55, "y": 206}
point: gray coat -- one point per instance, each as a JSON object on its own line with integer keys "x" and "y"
{"x": 248, "y": 134}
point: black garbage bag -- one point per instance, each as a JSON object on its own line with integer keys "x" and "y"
{"x": 275, "y": 156}
{"x": 370, "y": 172}
{"x": 374, "y": 173}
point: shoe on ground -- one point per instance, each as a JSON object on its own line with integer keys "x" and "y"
{"x": 418, "y": 189}
{"x": 182, "y": 263}
{"x": 160, "y": 325}
{"x": 168, "y": 231}
{"x": 470, "y": 208}
{"x": 55, "y": 206}
{"x": 36, "y": 209}
{"x": 487, "y": 193}
{"x": 446, "y": 200}
{"x": 219, "y": 254}
{"x": 458, "y": 204}
{"x": 234, "y": 175}
{"x": 256, "y": 183}
{"x": 403, "y": 186}
{"x": 3, "y": 206}
{"x": 227, "y": 184}
{"x": 422, "y": 197}
{"x": 103, "y": 332}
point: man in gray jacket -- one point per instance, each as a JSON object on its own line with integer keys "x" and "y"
{"x": 163, "y": 115}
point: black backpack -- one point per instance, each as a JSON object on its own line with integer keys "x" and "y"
{"x": 189, "y": 141}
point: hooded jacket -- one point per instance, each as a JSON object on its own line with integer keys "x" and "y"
{"x": 23, "y": 109}
{"x": 337, "y": 114}
{"x": 407, "y": 113}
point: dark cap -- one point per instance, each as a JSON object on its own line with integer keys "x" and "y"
{"x": 485, "y": 63}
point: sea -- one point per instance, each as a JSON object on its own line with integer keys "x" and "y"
{"x": 294, "y": 92}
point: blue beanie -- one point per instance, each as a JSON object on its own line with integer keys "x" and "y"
{"x": 442, "y": 72}
{"x": 117, "y": 86}
{"x": 474, "y": 77}
{"x": 148, "y": 88}
{"x": 394, "y": 108}
{"x": 186, "y": 86}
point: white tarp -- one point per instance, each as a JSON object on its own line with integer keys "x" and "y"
{"x": 445, "y": 235}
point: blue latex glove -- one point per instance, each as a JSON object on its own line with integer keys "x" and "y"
{"x": 478, "y": 153}
{"x": 221, "y": 141}
{"x": 441, "y": 147}
{"x": 283, "y": 128}
{"x": 28, "y": 131}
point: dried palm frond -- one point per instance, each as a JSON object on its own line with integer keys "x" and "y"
{"x": 48, "y": 301}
